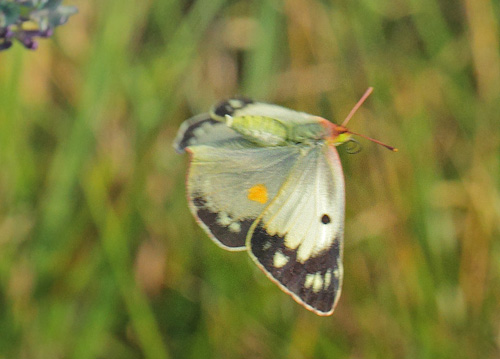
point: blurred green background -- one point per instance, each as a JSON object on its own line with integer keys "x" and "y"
{"x": 99, "y": 255}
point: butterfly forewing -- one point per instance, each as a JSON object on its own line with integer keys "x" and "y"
{"x": 229, "y": 186}
{"x": 298, "y": 239}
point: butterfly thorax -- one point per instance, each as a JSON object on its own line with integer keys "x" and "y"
{"x": 268, "y": 131}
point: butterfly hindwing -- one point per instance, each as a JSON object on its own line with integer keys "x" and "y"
{"x": 298, "y": 239}
{"x": 230, "y": 184}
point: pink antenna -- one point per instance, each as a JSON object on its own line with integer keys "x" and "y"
{"x": 358, "y": 105}
{"x": 353, "y": 111}
{"x": 376, "y": 141}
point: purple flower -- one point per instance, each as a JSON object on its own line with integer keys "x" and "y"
{"x": 26, "y": 20}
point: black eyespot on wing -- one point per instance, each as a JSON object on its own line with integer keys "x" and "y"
{"x": 325, "y": 219}
{"x": 228, "y": 107}
{"x": 316, "y": 283}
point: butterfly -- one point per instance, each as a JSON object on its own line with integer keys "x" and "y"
{"x": 268, "y": 180}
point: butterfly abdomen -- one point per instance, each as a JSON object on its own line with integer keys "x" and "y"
{"x": 267, "y": 131}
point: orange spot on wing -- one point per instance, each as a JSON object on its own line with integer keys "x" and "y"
{"x": 258, "y": 193}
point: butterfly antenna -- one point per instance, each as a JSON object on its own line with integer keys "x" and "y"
{"x": 358, "y": 105}
{"x": 376, "y": 141}
{"x": 353, "y": 111}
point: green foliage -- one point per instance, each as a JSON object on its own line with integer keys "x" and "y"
{"x": 99, "y": 255}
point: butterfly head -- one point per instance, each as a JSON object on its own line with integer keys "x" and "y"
{"x": 340, "y": 134}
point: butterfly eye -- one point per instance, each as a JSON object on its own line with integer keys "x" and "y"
{"x": 353, "y": 146}
{"x": 325, "y": 219}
